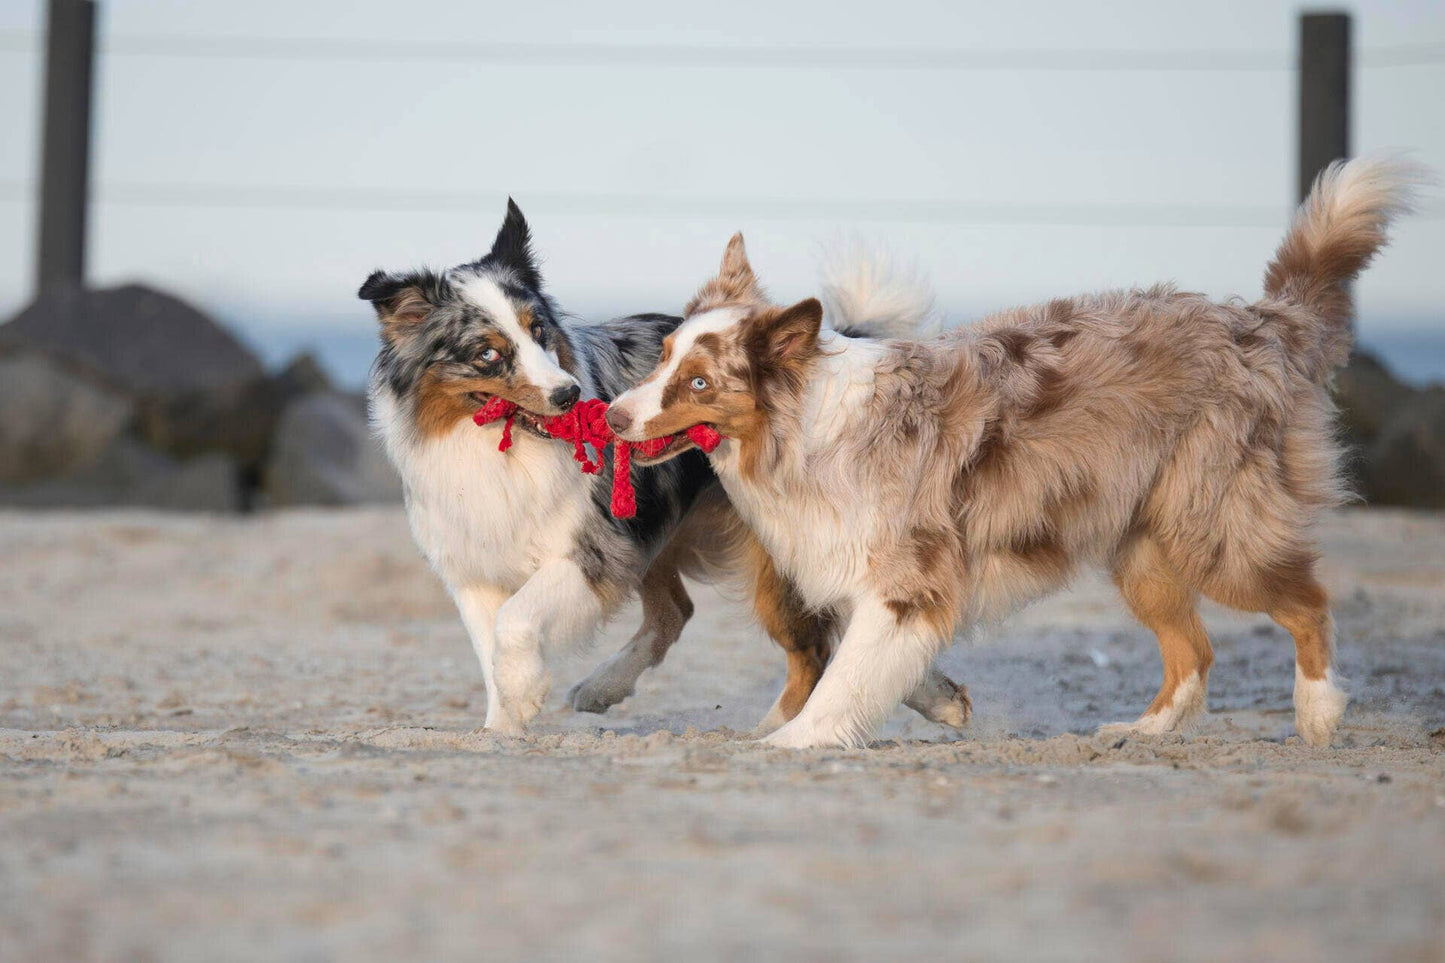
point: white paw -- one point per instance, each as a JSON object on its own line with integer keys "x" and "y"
{"x": 1184, "y": 713}
{"x": 501, "y": 723}
{"x": 522, "y": 686}
{"x": 803, "y": 734}
{"x": 1149, "y": 725}
{"x": 1319, "y": 705}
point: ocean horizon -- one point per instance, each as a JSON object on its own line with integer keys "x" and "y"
{"x": 1415, "y": 355}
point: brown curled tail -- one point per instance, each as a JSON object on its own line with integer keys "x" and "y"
{"x": 1335, "y": 233}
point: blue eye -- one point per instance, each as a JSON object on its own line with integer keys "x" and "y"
{"x": 490, "y": 356}
{"x": 699, "y": 384}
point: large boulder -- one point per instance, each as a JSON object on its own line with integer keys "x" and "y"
{"x": 129, "y": 472}
{"x": 323, "y": 453}
{"x": 1368, "y": 396}
{"x": 142, "y": 340}
{"x": 1405, "y": 465}
{"x": 194, "y": 387}
{"x": 1395, "y": 433}
{"x": 237, "y": 419}
{"x": 54, "y": 418}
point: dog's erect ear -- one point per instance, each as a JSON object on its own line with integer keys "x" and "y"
{"x": 735, "y": 282}
{"x": 513, "y": 248}
{"x": 735, "y": 270}
{"x": 791, "y": 336}
{"x": 402, "y": 301}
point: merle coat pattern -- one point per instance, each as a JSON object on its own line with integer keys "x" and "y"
{"x": 524, "y": 541}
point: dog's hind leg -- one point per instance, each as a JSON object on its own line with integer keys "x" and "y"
{"x": 1159, "y": 597}
{"x": 1319, "y": 703}
{"x": 1294, "y": 598}
{"x": 666, "y": 607}
{"x": 556, "y": 608}
{"x": 939, "y": 699}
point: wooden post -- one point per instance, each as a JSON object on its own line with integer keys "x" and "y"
{"x": 65, "y": 158}
{"x": 1324, "y": 93}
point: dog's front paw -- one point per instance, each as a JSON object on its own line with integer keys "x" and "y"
{"x": 801, "y": 734}
{"x": 522, "y": 686}
{"x": 500, "y": 722}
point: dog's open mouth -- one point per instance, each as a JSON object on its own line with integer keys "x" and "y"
{"x": 658, "y": 450}
{"x": 652, "y": 451}
{"x": 526, "y": 419}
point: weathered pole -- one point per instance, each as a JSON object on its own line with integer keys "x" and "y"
{"x": 1324, "y": 93}
{"x": 65, "y": 157}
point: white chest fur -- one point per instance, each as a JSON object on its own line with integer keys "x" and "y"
{"x": 817, "y": 521}
{"x": 481, "y": 515}
{"x": 820, "y": 543}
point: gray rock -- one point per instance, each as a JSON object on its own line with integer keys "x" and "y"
{"x": 53, "y": 420}
{"x": 302, "y": 375}
{"x": 130, "y": 473}
{"x": 1406, "y": 463}
{"x": 236, "y": 420}
{"x": 195, "y": 388}
{"x": 1368, "y": 396}
{"x": 209, "y": 483}
{"x": 142, "y": 340}
{"x": 323, "y": 453}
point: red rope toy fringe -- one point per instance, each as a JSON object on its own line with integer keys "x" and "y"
{"x": 586, "y": 424}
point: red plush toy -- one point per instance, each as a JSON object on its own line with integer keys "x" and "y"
{"x": 586, "y": 424}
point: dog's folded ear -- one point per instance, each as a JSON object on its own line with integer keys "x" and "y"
{"x": 402, "y": 300}
{"x": 791, "y": 335}
{"x": 513, "y": 248}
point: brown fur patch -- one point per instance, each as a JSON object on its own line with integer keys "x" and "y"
{"x": 805, "y": 636}
{"x": 439, "y": 406}
{"x": 442, "y": 402}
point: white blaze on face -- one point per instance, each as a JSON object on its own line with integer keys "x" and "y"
{"x": 533, "y": 363}
{"x": 644, "y": 403}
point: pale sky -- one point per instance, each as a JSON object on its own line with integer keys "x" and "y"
{"x": 263, "y": 179}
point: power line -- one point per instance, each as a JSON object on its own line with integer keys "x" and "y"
{"x": 1404, "y": 55}
{"x": 696, "y": 206}
{"x": 690, "y": 206}
{"x": 712, "y": 56}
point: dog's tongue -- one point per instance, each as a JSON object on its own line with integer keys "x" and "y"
{"x": 585, "y": 425}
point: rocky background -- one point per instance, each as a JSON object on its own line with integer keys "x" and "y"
{"x": 129, "y": 396}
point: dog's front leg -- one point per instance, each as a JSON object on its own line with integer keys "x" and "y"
{"x": 555, "y": 609}
{"x": 882, "y": 658}
{"x": 478, "y": 605}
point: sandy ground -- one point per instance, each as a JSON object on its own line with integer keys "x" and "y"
{"x": 246, "y": 739}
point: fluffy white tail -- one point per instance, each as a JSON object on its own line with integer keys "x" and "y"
{"x": 1336, "y": 232}
{"x": 869, "y": 293}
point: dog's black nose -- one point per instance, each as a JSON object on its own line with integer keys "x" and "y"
{"x": 565, "y": 398}
{"x": 619, "y": 420}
